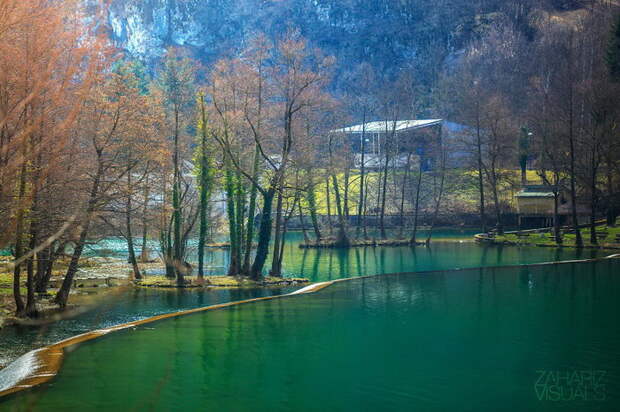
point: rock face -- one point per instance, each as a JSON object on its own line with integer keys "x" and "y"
{"x": 145, "y": 27}
{"x": 385, "y": 33}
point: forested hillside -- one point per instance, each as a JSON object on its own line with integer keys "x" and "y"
{"x": 387, "y": 34}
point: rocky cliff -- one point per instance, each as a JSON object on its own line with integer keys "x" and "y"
{"x": 388, "y": 34}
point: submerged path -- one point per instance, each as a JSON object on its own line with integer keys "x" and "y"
{"x": 43, "y": 364}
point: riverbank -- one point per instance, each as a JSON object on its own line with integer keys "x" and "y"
{"x": 100, "y": 277}
{"x": 608, "y": 237}
{"x": 97, "y": 278}
{"x": 219, "y": 282}
{"x": 332, "y": 243}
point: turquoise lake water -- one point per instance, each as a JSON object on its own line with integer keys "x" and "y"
{"x": 129, "y": 304}
{"x": 488, "y": 339}
{"x": 452, "y": 248}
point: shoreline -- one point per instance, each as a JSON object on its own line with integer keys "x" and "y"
{"x": 98, "y": 277}
{"x": 485, "y": 239}
{"x": 563, "y": 246}
{"x": 331, "y": 244}
{"x": 218, "y": 282}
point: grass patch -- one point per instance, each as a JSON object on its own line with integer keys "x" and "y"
{"x": 568, "y": 239}
{"x": 460, "y": 193}
{"x": 6, "y": 284}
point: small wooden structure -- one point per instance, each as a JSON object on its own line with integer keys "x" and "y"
{"x": 535, "y": 206}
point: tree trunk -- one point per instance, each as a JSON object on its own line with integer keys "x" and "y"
{"x": 202, "y": 233}
{"x": 378, "y": 199}
{"x": 132, "y": 253}
{"x": 303, "y": 224}
{"x": 311, "y": 198}
{"x": 384, "y": 192}
{"x": 144, "y": 254}
{"x": 177, "y": 258}
{"x": 573, "y": 194}
{"x": 31, "y": 309}
{"x": 593, "y": 177}
{"x": 480, "y": 175}
{"x": 361, "y": 218}
{"x": 365, "y": 211}
{"x": 416, "y": 207}
{"x": 233, "y": 268}
{"x": 498, "y": 212}
{"x": 63, "y": 293}
{"x": 442, "y": 153}
{"x": 611, "y": 208}
{"x": 611, "y": 211}
{"x": 556, "y": 221}
{"x": 345, "y": 195}
{"x": 329, "y": 211}
{"x": 287, "y": 219}
{"x": 43, "y": 258}
{"x": 251, "y": 213}
{"x": 264, "y": 235}
{"x": 437, "y": 205}
{"x": 275, "y": 271}
{"x": 205, "y": 191}
{"x": 240, "y": 218}
{"x": 46, "y": 272}
{"x": 342, "y": 240}
{"x": 19, "y": 241}
{"x": 402, "y": 196}
{"x": 571, "y": 141}
{"x": 165, "y": 236}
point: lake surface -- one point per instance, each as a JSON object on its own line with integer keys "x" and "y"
{"x": 452, "y": 248}
{"x": 129, "y": 304}
{"x": 482, "y": 339}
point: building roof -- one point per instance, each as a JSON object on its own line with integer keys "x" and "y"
{"x": 537, "y": 191}
{"x": 535, "y": 194}
{"x": 381, "y": 126}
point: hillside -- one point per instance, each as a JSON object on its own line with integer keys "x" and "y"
{"x": 387, "y": 34}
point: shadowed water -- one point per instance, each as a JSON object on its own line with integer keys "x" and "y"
{"x": 483, "y": 339}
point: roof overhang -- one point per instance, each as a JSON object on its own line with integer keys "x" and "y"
{"x": 539, "y": 195}
{"x": 383, "y": 126}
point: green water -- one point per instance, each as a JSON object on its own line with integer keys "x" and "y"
{"x": 316, "y": 264}
{"x": 326, "y": 264}
{"x": 452, "y": 248}
{"x": 476, "y": 340}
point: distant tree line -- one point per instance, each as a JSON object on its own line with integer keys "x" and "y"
{"x": 549, "y": 102}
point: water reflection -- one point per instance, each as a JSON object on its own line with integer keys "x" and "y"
{"x": 328, "y": 264}
{"x": 315, "y": 264}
